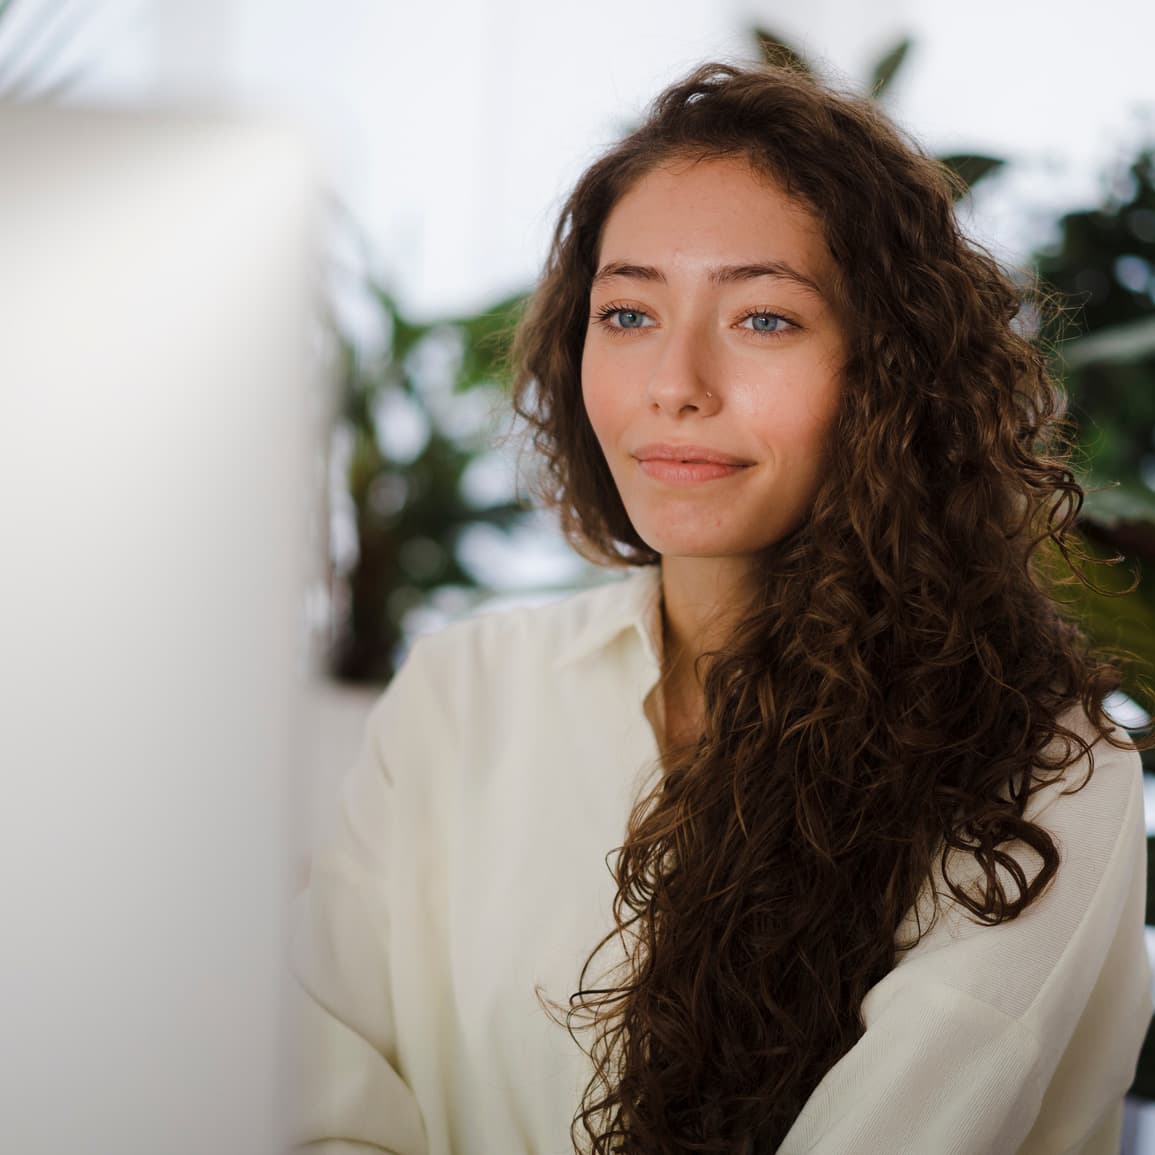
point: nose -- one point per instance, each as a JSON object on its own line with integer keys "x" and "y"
{"x": 680, "y": 376}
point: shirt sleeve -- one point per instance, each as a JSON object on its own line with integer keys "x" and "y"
{"x": 966, "y": 1035}
{"x": 347, "y": 1093}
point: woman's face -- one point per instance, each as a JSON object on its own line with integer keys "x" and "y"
{"x": 713, "y": 358}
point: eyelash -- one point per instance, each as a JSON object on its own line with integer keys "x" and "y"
{"x": 603, "y": 315}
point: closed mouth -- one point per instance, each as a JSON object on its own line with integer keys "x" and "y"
{"x": 688, "y": 455}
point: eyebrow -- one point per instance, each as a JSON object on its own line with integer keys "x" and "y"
{"x": 719, "y": 275}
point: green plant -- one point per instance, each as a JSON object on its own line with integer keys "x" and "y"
{"x": 408, "y": 504}
{"x": 1100, "y": 268}
{"x": 967, "y": 168}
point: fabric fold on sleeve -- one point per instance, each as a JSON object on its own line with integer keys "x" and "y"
{"x": 347, "y": 1094}
{"x": 937, "y": 1071}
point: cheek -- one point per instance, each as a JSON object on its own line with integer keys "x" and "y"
{"x": 788, "y": 418}
{"x": 816, "y": 432}
{"x": 799, "y": 403}
{"x": 600, "y": 396}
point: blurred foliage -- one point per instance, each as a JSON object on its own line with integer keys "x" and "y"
{"x": 1102, "y": 268}
{"x": 406, "y": 501}
{"x": 778, "y": 52}
{"x": 1103, "y": 257}
{"x": 966, "y": 169}
{"x": 1099, "y": 271}
{"x": 887, "y": 66}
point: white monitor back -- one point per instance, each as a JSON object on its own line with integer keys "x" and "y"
{"x": 156, "y": 454}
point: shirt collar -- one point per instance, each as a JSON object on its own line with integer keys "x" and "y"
{"x": 615, "y": 607}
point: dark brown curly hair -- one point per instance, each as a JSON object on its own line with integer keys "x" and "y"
{"x": 891, "y": 697}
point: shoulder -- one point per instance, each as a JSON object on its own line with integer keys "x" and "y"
{"x": 1092, "y": 809}
{"x": 538, "y": 636}
{"x": 498, "y": 654}
{"x": 1093, "y": 812}
{"x": 1089, "y": 801}
{"x": 487, "y": 671}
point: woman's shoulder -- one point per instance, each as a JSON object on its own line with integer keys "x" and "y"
{"x": 1089, "y": 796}
{"x": 460, "y": 678}
{"x": 541, "y": 635}
{"x": 1093, "y": 812}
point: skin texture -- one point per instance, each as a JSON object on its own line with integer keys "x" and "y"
{"x": 750, "y": 366}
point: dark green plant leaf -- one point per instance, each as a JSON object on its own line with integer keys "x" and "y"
{"x": 969, "y": 169}
{"x": 405, "y": 334}
{"x": 776, "y": 51}
{"x": 408, "y": 518}
{"x": 1118, "y": 620}
{"x": 1110, "y": 507}
{"x": 1110, "y": 560}
{"x": 487, "y": 341}
{"x": 887, "y": 67}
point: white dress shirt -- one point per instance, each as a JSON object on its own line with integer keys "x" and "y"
{"x": 467, "y": 873}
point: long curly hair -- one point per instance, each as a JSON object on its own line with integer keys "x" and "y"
{"x": 891, "y": 697}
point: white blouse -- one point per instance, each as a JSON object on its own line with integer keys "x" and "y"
{"x": 467, "y": 872}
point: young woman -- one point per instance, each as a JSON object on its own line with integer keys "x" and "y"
{"x": 876, "y": 853}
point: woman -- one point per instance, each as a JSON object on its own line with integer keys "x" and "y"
{"x": 877, "y": 852}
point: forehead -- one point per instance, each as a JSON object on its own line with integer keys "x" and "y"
{"x": 720, "y": 209}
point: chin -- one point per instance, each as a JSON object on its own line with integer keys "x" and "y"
{"x": 697, "y": 545}
{"x": 676, "y": 529}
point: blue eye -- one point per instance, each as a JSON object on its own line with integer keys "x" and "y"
{"x": 765, "y": 322}
{"x": 615, "y": 319}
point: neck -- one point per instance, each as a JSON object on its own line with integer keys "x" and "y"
{"x": 702, "y": 598}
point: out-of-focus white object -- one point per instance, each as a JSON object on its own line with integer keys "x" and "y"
{"x": 155, "y": 456}
{"x": 1125, "y": 711}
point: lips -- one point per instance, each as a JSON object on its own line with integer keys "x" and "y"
{"x": 687, "y": 464}
{"x": 687, "y": 454}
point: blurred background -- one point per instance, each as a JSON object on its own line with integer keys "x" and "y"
{"x": 364, "y": 193}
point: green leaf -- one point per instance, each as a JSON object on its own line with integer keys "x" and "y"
{"x": 886, "y": 68}
{"x": 487, "y": 340}
{"x": 405, "y": 335}
{"x": 778, "y": 52}
{"x": 970, "y": 168}
{"x": 1112, "y": 505}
